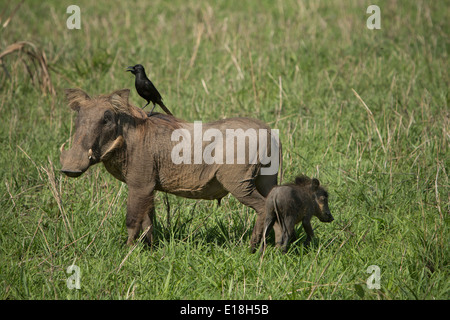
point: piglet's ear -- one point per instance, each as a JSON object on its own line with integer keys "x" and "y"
{"x": 315, "y": 184}
{"x": 75, "y": 97}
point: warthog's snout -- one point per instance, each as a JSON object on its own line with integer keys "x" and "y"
{"x": 72, "y": 174}
{"x": 75, "y": 161}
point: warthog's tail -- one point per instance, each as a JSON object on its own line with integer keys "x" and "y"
{"x": 280, "y": 159}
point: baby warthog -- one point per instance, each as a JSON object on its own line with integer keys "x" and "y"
{"x": 289, "y": 204}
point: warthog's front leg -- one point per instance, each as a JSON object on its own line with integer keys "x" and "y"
{"x": 308, "y": 229}
{"x": 140, "y": 212}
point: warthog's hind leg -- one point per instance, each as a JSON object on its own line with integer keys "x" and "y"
{"x": 249, "y": 196}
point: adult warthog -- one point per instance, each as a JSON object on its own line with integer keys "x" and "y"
{"x": 163, "y": 153}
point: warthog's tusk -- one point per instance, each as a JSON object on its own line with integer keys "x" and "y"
{"x": 90, "y": 154}
{"x": 61, "y": 149}
{"x": 116, "y": 144}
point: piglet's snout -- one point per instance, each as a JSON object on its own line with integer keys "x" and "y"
{"x": 327, "y": 216}
{"x": 330, "y": 217}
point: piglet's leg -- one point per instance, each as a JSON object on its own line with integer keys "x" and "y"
{"x": 309, "y": 231}
{"x": 288, "y": 234}
{"x": 278, "y": 233}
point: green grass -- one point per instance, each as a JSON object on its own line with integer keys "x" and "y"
{"x": 291, "y": 64}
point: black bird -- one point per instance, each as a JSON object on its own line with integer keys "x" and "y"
{"x": 146, "y": 89}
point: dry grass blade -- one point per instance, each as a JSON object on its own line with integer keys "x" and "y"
{"x": 35, "y": 55}
{"x": 8, "y": 20}
{"x": 371, "y": 118}
{"x": 111, "y": 206}
{"x": 53, "y": 188}
{"x": 326, "y": 267}
{"x": 199, "y": 32}
{"x": 134, "y": 247}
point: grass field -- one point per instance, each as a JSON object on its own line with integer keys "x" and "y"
{"x": 365, "y": 111}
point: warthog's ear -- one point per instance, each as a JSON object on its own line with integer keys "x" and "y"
{"x": 119, "y": 100}
{"x": 315, "y": 184}
{"x": 122, "y": 94}
{"x": 75, "y": 97}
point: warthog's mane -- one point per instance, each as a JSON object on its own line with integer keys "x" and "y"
{"x": 127, "y": 110}
{"x": 118, "y": 103}
{"x": 120, "y": 106}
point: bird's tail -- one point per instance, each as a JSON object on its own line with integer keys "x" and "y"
{"x": 161, "y": 104}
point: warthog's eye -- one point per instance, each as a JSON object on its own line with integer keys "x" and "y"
{"x": 108, "y": 117}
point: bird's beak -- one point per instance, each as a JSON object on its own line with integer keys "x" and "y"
{"x": 130, "y": 68}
